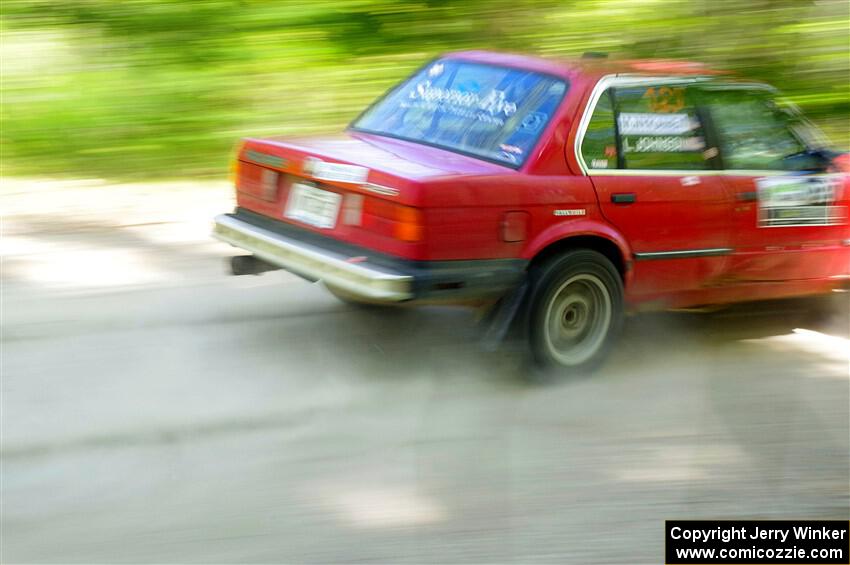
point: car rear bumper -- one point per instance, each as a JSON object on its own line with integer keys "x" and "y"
{"x": 314, "y": 262}
{"x": 364, "y": 272}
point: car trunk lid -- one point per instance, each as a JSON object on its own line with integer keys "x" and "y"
{"x": 360, "y": 188}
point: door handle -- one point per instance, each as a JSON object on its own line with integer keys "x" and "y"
{"x": 623, "y": 198}
{"x": 749, "y": 196}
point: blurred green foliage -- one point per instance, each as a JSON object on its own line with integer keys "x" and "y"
{"x": 140, "y": 88}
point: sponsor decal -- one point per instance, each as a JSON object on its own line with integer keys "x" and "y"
{"x": 634, "y": 123}
{"x": 665, "y": 99}
{"x": 492, "y": 108}
{"x": 339, "y": 172}
{"x": 599, "y": 163}
{"x": 510, "y": 149}
{"x": 799, "y": 201}
{"x": 663, "y": 144}
{"x": 533, "y": 122}
{"x": 494, "y": 103}
{"x": 266, "y": 159}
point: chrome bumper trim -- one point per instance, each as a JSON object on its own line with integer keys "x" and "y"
{"x": 313, "y": 262}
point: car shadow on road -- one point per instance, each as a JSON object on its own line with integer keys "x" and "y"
{"x": 444, "y": 343}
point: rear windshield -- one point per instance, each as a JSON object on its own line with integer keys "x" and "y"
{"x": 494, "y": 113}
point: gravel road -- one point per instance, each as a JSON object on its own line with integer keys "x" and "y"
{"x": 155, "y": 409}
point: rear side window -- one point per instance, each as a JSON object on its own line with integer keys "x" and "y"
{"x": 599, "y": 146}
{"x": 753, "y": 133}
{"x": 653, "y": 127}
{"x": 659, "y": 128}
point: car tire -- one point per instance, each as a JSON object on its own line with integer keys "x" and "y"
{"x": 575, "y": 312}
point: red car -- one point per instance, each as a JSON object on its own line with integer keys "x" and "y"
{"x": 565, "y": 193}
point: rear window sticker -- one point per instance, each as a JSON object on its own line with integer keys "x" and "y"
{"x": 510, "y": 148}
{"x": 634, "y": 123}
{"x": 663, "y": 144}
{"x": 665, "y": 99}
{"x": 533, "y": 122}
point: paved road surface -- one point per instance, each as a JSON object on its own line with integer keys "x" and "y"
{"x": 156, "y": 410}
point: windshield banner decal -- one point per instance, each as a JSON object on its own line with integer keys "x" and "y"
{"x": 494, "y": 103}
{"x": 480, "y": 110}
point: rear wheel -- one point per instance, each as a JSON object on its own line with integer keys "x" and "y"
{"x": 575, "y": 311}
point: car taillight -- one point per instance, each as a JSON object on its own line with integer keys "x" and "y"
{"x": 352, "y": 209}
{"x": 408, "y": 225}
{"x": 257, "y": 181}
{"x": 394, "y": 220}
{"x": 269, "y": 181}
{"x": 234, "y": 171}
{"x": 234, "y": 162}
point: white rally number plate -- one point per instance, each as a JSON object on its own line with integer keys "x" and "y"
{"x": 313, "y": 206}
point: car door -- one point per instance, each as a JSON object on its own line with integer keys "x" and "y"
{"x": 790, "y": 217}
{"x": 645, "y": 150}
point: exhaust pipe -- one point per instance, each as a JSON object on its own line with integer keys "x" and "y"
{"x": 250, "y": 265}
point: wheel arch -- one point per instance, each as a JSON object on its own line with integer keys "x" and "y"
{"x": 614, "y": 251}
{"x": 507, "y": 312}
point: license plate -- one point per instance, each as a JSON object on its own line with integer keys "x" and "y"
{"x": 313, "y": 206}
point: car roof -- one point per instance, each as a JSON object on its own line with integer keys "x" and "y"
{"x": 592, "y": 67}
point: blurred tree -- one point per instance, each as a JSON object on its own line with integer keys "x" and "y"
{"x": 143, "y": 87}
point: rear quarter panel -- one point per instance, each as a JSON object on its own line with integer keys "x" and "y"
{"x": 464, "y": 215}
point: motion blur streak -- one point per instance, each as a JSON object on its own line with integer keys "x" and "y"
{"x": 163, "y": 87}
